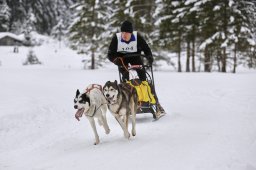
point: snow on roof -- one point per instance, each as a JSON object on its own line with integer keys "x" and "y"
{"x": 8, "y": 34}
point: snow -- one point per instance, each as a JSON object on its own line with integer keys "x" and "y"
{"x": 216, "y": 8}
{"x": 158, "y": 22}
{"x": 188, "y": 2}
{"x": 194, "y": 9}
{"x": 128, "y": 3}
{"x": 179, "y": 10}
{"x": 210, "y": 122}
{"x": 251, "y": 41}
{"x": 201, "y": 2}
{"x": 224, "y": 44}
{"x": 232, "y": 19}
{"x": 175, "y": 3}
{"x": 209, "y": 41}
{"x": 8, "y": 34}
{"x": 231, "y": 3}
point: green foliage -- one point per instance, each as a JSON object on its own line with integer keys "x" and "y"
{"x": 216, "y": 26}
{"x": 88, "y": 29}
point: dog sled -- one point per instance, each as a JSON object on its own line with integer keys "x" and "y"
{"x": 148, "y": 102}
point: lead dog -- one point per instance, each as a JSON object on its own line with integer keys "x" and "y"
{"x": 92, "y": 104}
{"x": 122, "y": 102}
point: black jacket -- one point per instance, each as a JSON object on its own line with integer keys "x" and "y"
{"x": 141, "y": 46}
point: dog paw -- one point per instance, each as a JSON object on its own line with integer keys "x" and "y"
{"x": 97, "y": 141}
{"x": 127, "y": 135}
{"x": 133, "y": 133}
{"x": 107, "y": 131}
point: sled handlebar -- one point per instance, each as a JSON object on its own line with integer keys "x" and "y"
{"x": 137, "y": 67}
{"x": 134, "y": 67}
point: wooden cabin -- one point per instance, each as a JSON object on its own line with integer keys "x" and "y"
{"x": 10, "y": 39}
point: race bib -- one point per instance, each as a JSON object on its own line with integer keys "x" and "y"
{"x": 123, "y": 47}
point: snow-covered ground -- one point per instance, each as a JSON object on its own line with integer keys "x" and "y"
{"x": 210, "y": 123}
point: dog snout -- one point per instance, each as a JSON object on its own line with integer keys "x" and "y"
{"x": 107, "y": 95}
{"x": 75, "y": 106}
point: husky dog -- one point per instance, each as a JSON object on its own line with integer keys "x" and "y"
{"x": 122, "y": 102}
{"x": 93, "y": 104}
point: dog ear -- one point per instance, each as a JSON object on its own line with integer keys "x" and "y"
{"x": 77, "y": 92}
{"x": 115, "y": 82}
{"x": 105, "y": 84}
{"x": 86, "y": 98}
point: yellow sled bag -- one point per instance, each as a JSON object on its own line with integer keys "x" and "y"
{"x": 143, "y": 91}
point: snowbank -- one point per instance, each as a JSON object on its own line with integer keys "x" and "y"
{"x": 210, "y": 123}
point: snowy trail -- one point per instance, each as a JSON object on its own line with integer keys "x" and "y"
{"x": 210, "y": 123}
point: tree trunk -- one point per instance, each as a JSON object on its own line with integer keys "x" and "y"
{"x": 193, "y": 56}
{"x": 235, "y": 59}
{"x": 252, "y": 57}
{"x": 218, "y": 60}
{"x": 225, "y": 27}
{"x": 207, "y": 60}
{"x": 179, "y": 53}
{"x": 223, "y": 61}
{"x": 93, "y": 45}
{"x": 93, "y": 60}
{"x": 188, "y": 57}
{"x": 179, "y": 63}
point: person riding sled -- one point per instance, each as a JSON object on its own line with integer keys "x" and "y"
{"x": 132, "y": 43}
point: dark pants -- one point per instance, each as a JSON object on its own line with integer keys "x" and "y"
{"x": 133, "y": 61}
{"x": 125, "y": 74}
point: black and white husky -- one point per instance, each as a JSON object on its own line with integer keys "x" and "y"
{"x": 93, "y": 104}
{"x": 122, "y": 102}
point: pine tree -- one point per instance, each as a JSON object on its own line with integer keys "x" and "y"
{"x": 118, "y": 14}
{"x": 88, "y": 27}
{"x": 141, "y": 13}
{"x": 45, "y": 11}
{"x": 171, "y": 27}
{"x": 231, "y": 29}
{"x": 4, "y": 16}
{"x": 243, "y": 38}
{"x": 16, "y": 15}
{"x": 58, "y": 31}
{"x": 191, "y": 23}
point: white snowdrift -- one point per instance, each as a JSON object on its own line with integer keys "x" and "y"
{"x": 210, "y": 123}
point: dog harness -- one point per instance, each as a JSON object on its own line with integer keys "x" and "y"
{"x": 88, "y": 90}
{"x": 129, "y": 89}
{"x": 97, "y": 86}
{"x": 95, "y": 110}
